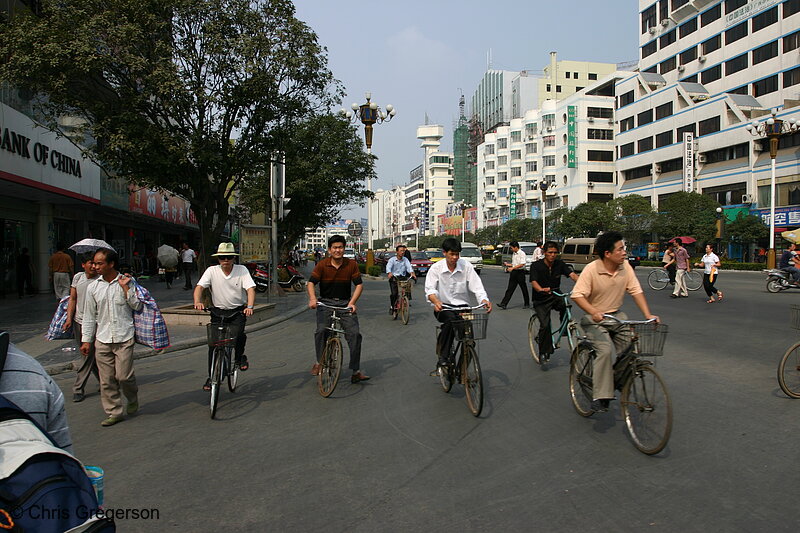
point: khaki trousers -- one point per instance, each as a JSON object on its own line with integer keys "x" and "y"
{"x": 88, "y": 365}
{"x": 606, "y": 336}
{"x": 115, "y": 364}
{"x": 680, "y": 284}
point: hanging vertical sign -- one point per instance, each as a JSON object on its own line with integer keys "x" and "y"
{"x": 688, "y": 162}
{"x": 572, "y": 149}
{"x": 426, "y": 211}
{"x": 512, "y": 202}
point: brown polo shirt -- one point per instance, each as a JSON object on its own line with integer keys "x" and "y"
{"x": 335, "y": 282}
{"x": 60, "y": 262}
{"x": 605, "y": 290}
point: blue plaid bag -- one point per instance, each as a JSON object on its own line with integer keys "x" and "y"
{"x": 56, "y": 329}
{"x": 150, "y": 327}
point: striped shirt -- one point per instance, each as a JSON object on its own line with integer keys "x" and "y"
{"x": 334, "y": 283}
{"x": 26, "y": 383}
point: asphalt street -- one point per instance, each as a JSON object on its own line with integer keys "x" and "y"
{"x": 398, "y": 454}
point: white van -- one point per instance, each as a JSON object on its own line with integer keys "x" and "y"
{"x": 578, "y": 252}
{"x": 472, "y": 253}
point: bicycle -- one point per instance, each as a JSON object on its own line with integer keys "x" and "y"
{"x": 644, "y": 399}
{"x": 331, "y": 359}
{"x": 659, "y": 278}
{"x": 567, "y": 327}
{"x": 470, "y": 327}
{"x": 222, "y": 338}
{"x": 789, "y": 367}
{"x": 401, "y": 305}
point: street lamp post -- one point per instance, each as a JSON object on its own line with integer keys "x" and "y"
{"x": 369, "y": 113}
{"x": 773, "y": 129}
{"x": 543, "y": 187}
{"x": 719, "y": 228}
{"x": 464, "y": 207}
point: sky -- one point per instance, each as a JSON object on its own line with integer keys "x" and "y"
{"x": 421, "y": 55}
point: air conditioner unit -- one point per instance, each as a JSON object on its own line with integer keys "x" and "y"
{"x": 657, "y": 169}
{"x": 651, "y": 29}
{"x": 590, "y": 185}
{"x": 681, "y": 68}
{"x": 748, "y": 199}
{"x": 701, "y": 158}
{"x": 702, "y": 59}
{"x": 549, "y": 128}
{"x": 665, "y": 22}
{"x": 590, "y": 119}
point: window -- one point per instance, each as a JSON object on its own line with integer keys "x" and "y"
{"x": 601, "y": 135}
{"x": 558, "y": 88}
{"x": 549, "y": 161}
{"x": 653, "y": 69}
{"x": 490, "y": 165}
{"x": 740, "y": 90}
{"x": 548, "y": 89}
{"x": 667, "y": 65}
{"x": 684, "y": 129}
{"x": 664, "y": 110}
{"x": 789, "y": 141}
{"x": 599, "y": 112}
{"x": 737, "y": 32}
{"x": 601, "y": 177}
{"x": 727, "y": 153}
{"x": 516, "y": 136}
{"x": 502, "y": 143}
{"x": 712, "y": 74}
{"x": 649, "y": 18}
{"x": 626, "y": 124}
{"x": 592, "y": 76}
{"x": 650, "y": 48}
{"x": 687, "y": 56}
{"x": 638, "y": 172}
{"x": 530, "y": 148}
{"x": 575, "y": 75}
{"x": 600, "y": 155}
{"x": 791, "y": 42}
{"x": 530, "y": 185}
{"x": 530, "y": 166}
{"x": 502, "y": 160}
{"x": 516, "y": 172}
{"x": 530, "y": 129}
{"x": 625, "y": 150}
{"x": 790, "y": 7}
{"x": 710, "y": 125}
{"x": 663, "y": 9}
{"x": 502, "y": 176}
{"x": 516, "y": 154}
{"x": 667, "y": 39}
{"x": 733, "y": 5}
{"x": 678, "y": 3}
{"x": 548, "y": 140}
{"x": 710, "y": 16}
{"x": 736, "y": 64}
{"x": 711, "y": 44}
{"x": 440, "y": 159}
{"x": 502, "y": 193}
{"x": 664, "y": 139}
{"x": 671, "y": 165}
{"x": 767, "y": 18}
{"x": 688, "y": 27}
{"x": 568, "y": 74}
{"x": 645, "y": 145}
{"x": 690, "y": 79}
{"x": 791, "y": 77}
{"x": 765, "y": 86}
{"x": 762, "y": 53}
{"x": 489, "y": 180}
{"x": 645, "y": 117}
{"x": 488, "y": 149}
{"x": 625, "y": 99}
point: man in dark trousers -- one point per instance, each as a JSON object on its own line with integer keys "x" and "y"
{"x": 516, "y": 276}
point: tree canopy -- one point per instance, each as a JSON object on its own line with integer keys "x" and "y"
{"x": 585, "y": 220}
{"x": 688, "y": 213}
{"x": 635, "y": 216}
{"x": 746, "y": 228}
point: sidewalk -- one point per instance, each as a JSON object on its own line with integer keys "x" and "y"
{"x": 26, "y": 321}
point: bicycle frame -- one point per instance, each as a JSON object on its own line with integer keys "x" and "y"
{"x": 565, "y": 323}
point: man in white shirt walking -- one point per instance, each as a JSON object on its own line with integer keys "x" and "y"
{"x": 108, "y": 320}
{"x": 187, "y": 265}
{"x": 516, "y": 276}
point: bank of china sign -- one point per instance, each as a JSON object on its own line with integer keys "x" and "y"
{"x": 748, "y": 10}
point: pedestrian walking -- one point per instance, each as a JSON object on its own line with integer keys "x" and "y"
{"x": 538, "y": 252}
{"x": 77, "y": 299}
{"x": 516, "y": 276}
{"x": 24, "y": 271}
{"x": 108, "y": 320}
{"x": 668, "y": 262}
{"x": 61, "y": 268}
{"x": 168, "y": 258}
{"x": 187, "y": 261}
{"x": 683, "y": 265}
{"x": 710, "y": 263}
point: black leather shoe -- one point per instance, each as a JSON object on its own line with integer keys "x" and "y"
{"x": 501, "y": 306}
{"x": 600, "y": 406}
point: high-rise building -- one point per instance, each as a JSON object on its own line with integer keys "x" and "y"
{"x": 563, "y": 78}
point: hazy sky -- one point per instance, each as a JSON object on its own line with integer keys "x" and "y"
{"x": 420, "y": 56}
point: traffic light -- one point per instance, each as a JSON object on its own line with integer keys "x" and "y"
{"x": 283, "y": 207}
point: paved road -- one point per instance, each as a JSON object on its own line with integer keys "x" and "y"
{"x": 397, "y": 454}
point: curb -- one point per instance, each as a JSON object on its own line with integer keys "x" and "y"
{"x": 144, "y": 352}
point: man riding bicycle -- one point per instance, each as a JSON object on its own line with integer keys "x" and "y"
{"x": 233, "y": 295}
{"x": 450, "y": 282}
{"x": 398, "y": 268}
{"x": 600, "y": 290}
{"x": 546, "y": 278}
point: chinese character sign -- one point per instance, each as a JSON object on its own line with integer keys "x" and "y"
{"x": 572, "y": 149}
{"x": 688, "y": 162}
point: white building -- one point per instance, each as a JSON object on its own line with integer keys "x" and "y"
{"x": 709, "y": 68}
{"x": 437, "y": 171}
{"x": 503, "y": 95}
{"x": 564, "y": 78}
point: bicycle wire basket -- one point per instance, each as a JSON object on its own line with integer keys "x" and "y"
{"x": 471, "y": 325}
{"x": 404, "y": 287}
{"x": 222, "y": 334}
{"x": 651, "y": 338}
{"x": 795, "y": 313}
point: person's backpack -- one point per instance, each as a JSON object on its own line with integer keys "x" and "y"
{"x": 42, "y": 487}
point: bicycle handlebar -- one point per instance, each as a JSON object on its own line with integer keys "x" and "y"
{"x": 335, "y": 308}
{"x": 561, "y": 294}
{"x": 629, "y": 322}
{"x": 462, "y": 307}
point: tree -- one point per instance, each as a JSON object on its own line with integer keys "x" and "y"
{"x": 519, "y": 229}
{"x": 688, "y": 214}
{"x": 488, "y": 235}
{"x": 585, "y": 220}
{"x": 636, "y": 216}
{"x": 326, "y": 168}
{"x": 746, "y": 229}
{"x": 185, "y": 96}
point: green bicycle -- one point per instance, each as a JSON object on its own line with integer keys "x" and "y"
{"x": 568, "y": 328}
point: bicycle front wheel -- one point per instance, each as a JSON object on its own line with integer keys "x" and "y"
{"x": 216, "y": 379}
{"x": 233, "y": 372}
{"x": 572, "y": 336}
{"x": 331, "y": 367}
{"x": 473, "y": 380}
{"x": 658, "y": 279}
{"x": 789, "y": 372}
{"x": 647, "y": 410}
{"x": 581, "y": 372}
{"x": 404, "y": 310}
{"x": 694, "y": 280}
{"x": 533, "y": 337}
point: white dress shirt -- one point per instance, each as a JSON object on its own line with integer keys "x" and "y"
{"x": 518, "y": 258}
{"x": 108, "y": 311}
{"x": 454, "y": 288}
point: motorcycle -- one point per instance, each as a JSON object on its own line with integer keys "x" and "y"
{"x": 288, "y": 277}
{"x": 779, "y": 280}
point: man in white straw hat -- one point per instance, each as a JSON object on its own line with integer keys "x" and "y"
{"x": 233, "y": 294}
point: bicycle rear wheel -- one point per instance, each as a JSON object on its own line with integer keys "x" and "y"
{"x": 232, "y": 372}
{"x": 581, "y": 372}
{"x": 647, "y": 409}
{"x": 789, "y": 372}
{"x": 216, "y": 379}
{"x": 331, "y": 367}
{"x": 473, "y": 379}
{"x": 694, "y": 280}
{"x": 533, "y": 337}
{"x": 404, "y": 310}
{"x": 658, "y": 279}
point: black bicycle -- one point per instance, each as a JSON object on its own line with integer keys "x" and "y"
{"x": 331, "y": 359}
{"x": 644, "y": 399}
{"x": 468, "y": 328}
{"x": 222, "y": 338}
{"x": 789, "y": 367}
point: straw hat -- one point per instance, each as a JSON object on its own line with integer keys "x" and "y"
{"x": 225, "y": 248}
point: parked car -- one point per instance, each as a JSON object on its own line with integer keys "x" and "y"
{"x": 472, "y": 253}
{"x": 580, "y": 252}
{"x": 420, "y": 262}
{"x": 434, "y": 254}
{"x": 350, "y": 253}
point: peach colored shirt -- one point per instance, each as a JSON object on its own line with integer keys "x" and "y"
{"x": 605, "y": 290}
